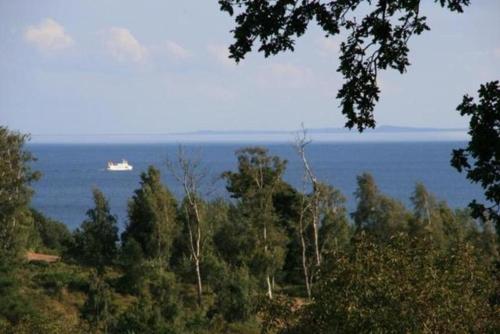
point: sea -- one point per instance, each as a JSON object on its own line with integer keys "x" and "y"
{"x": 71, "y": 171}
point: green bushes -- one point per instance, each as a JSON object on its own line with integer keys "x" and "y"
{"x": 56, "y": 277}
{"x": 401, "y": 286}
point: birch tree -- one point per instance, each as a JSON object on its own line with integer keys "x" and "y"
{"x": 321, "y": 213}
{"x": 16, "y": 176}
{"x": 190, "y": 174}
{"x": 300, "y": 144}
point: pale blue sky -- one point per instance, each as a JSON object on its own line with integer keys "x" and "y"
{"x": 85, "y": 67}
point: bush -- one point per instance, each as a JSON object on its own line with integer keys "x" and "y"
{"x": 402, "y": 286}
{"x": 57, "y": 277}
{"x": 234, "y": 296}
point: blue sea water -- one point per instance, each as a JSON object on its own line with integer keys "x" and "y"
{"x": 70, "y": 171}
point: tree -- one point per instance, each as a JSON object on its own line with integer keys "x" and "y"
{"x": 16, "y": 177}
{"x": 376, "y": 41}
{"x": 54, "y": 235}
{"x": 189, "y": 174}
{"x": 400, "y": 287}
{"x": 427, "y": 219}
{"x": 375, "y": 212}
{"x": 314, "y": 206}
{"x": 319, "y": 213}
{"x": 152, "y": 218}
{"x": 234, "y": 295}
{"x": 257, "y": 180}
{"x": 480, "y": 160}
{"x": 157, "y": 309}
{"x": 13, "y": 305}
{"x": 132, "y": 262}
{"x": 16, "y": 222}
{"x": 368, "y": 197}
{"x": 96, "y": 238}
{"x": 97, "y": 309}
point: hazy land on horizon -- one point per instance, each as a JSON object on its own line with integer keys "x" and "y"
{"x": 323, "y": 135}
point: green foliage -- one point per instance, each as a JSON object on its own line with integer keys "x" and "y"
{"x": 257, "y": 173}
{"x": 377, "y": 213}
{"x": 402, "y": 286}
{"x": 131, "y": 260}
{"x": 98, "y": 307}
{"x": 255, "y": 185}
{"x": 16, "y": 177}
{"x": 13, "y": 306}
{"x": 16, "y": 224}
{"x": 53, "y": 281}
{"x": 376, "y": 40}
{"x": 188, "y": 225}
{"x": 46, "y": 324}
{"x": 278, "y": 315}
{"x": 480, "y": 160}
{"x": 234, "y": 240}
{"x": 234, "y": 301}
{"x": 158, "y": 309}
{"x": 95, "y": 240}
{"x": 54, "y": 235}
{"x": 429, "y": 270}
{"x": 152, "y": 217}
{"x": 429, "y": 217}
{"x": 334, "y": 231}
{"x": 54, "y": 278}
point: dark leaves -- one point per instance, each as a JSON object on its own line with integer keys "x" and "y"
{"x": 480, "y": 160}
{"x": 379, "y": 40}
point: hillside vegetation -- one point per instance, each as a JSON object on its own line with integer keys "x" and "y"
{"x": 272, "y": 259}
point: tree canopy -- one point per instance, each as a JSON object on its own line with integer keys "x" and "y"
{"x": 480, "y": 160}
{"x": 95, "y": 241}
{"x": 378, "y": 34}
{"x": 16, "y": 177}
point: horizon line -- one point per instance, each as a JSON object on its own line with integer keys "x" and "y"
{"x": 381, "y": 128}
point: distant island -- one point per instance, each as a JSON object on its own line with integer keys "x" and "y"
{"x": 383, "y": 133}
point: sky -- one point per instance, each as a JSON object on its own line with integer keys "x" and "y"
{"x": 149, "y": 67}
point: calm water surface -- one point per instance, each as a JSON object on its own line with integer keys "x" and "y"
{"x": 71, "y": 171}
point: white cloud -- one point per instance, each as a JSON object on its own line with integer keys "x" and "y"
{"x": 387, "y": 86}
{"x": 215, "y": 92}
{"x": 328, "y": 46}
{"x": 285, "y": 75}
{"x": 496, "y": 52}
{"x": 289, "y": 71}
{"x": 123, "y": 46}
{"x": 177, "y": 51}
{"x": 221, "y": 54}
{"x": 48, "y": 36}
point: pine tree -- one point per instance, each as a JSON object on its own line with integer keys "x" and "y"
{"x": 96, "y": 238}
{"x": 152, "y": 218}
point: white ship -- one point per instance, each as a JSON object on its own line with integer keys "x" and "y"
{"x": 120, "y": 166}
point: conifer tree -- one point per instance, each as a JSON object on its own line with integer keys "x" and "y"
{"x": 96, "y": 239}
{"x": 152, "y": 218}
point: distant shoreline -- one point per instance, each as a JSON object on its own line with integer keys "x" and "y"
{"x": 325, "y": 135}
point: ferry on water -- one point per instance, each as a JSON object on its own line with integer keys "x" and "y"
{"x": 119, "y": 166}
